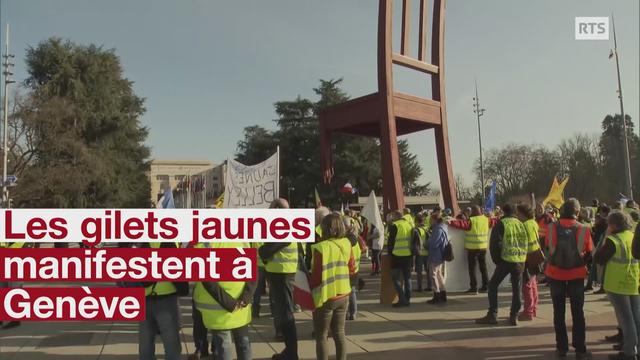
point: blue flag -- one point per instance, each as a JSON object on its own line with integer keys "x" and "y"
{"x": 490, "y": 204}
{"x": 166, "y": 201}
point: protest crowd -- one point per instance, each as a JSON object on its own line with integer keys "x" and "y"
{"x": 572, "y": 249}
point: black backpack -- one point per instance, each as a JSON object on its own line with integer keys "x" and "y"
{"x": 566, "y": 254}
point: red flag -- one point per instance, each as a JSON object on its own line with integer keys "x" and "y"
{"x": 302, "y": 291}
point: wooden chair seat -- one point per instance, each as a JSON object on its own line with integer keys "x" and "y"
{"x": 387, "y": 114}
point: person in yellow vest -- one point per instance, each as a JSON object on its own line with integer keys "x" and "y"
{"x": 226, "y": 311}
{"x": 422, "y": 232}
{"x": 6, "y": 284}
{"x": 529, "y": 276}
{"x": 333, "y": 265}
{"x": 621, "y": 281}
{"x": 161, "y": 317}
{"x": 281, "y": 264}
{"x": 320, "y": 213}
{"x": 406, "y": 214}
{"x": 402, "y": 247}
{"x": 261, "y": 284}
{"x": 509, "y": 246}
{"x": 199, "y": 331}
{"x": 476, "y": 242}
{"x": 352, "y": 235}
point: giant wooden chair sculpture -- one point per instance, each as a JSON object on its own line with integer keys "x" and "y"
{"x": 387, "y": 114}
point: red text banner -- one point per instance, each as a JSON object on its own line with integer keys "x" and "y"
{"x": 95, "y": 226}
{"x": 128, "y": 264}
{"x": 72, "y": 304}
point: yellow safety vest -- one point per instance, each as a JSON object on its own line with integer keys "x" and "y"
{"x": 319, "y": 231}
{"x": 515, "y": 242}
{"x": 423, "y": 230}
{"x": 214, "y": 316}
{"x": 15, "y": 245}
{"x": 403, "y": 238}
{"x": 409, "y": 218}
{"x": 532, "y": 228}
{"x": 284, "y": 261}
{"x": 256, "y": 245}
{"x": 161, "y": 287}
{"x": 335, "y": 270}
{"x": 477, "y": 238}
{"x": 622, "y": 274}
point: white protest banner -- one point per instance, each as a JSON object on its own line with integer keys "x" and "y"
{"x": 254, "y": 186}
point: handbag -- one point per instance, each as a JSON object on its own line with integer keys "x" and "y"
{"x": 448, "y": 252}
{"x": 535, "y": 259}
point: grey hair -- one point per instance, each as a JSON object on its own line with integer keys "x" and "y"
{"x": 279, "y": 204}
{"x": 620, "y": 221}
{"x": 570, "y": 208}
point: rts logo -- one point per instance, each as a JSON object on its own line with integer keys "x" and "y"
{"x": 592, "y": 28}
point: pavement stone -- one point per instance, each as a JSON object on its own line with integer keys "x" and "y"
{"x": 380, "y": 332}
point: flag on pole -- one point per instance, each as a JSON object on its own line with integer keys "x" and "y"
{"x": 302, "y": 290}
{"x": 219, "y": 204}
{"x": 348, "y": 189}
{"x": 318, "y": 200}
{"x": 166, "y": 201}
{"x": 556, "y": 196}
{"x": 490, "y": 203}
{"x": 610, "y": 53}
{"x": 371, "y": 212}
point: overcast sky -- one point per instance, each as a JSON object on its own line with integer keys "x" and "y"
{"x": 209, "y": 68}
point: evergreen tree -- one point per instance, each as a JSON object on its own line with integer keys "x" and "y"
{"x": 85, "y": 122}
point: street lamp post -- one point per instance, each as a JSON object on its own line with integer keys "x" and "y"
{"x": 7, "y": 64}
{"x": 479, "y": 112}
{"x": 627, "y": 162}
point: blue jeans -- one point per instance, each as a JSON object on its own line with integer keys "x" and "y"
{"x": 627, "y": 309}
{"x": 402, "y": 283}
{"x": 161, "y": 317}
{"x": 222, "y": 342}
{"x": 502, "y": 270}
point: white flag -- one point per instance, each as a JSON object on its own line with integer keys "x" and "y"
{"x": 371, "y": 212}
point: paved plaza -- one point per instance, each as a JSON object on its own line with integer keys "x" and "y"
{"x": 380, "y": 332}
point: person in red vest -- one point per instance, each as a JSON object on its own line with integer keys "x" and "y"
{"x": 569, "y": 249}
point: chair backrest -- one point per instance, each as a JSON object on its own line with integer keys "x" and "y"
{"x": 387, "y": 57}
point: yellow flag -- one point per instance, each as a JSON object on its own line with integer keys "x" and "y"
{"x": 555, "y": 197}
{"x": 220, "y": 202}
